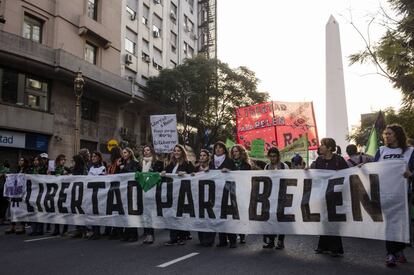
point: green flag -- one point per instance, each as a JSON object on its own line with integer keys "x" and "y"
{"x": 372, "y": 144}
{"x": 257, "y": 148}
{"x": 229, "y": 143}
{"x": 147, "y": 180}
{"x": 300, "y": 146}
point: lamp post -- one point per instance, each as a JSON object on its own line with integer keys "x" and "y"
{"x": 78, "y": 84}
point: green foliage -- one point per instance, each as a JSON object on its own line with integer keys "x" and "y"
{"x": 394, "y": 52}
{"x": 204, "y": 94}
{"x": 404, "y": 117}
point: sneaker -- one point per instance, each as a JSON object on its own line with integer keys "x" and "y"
{"x": 280, "y": 245}
{"x": 401, "y": 257}
{"x": 171, "y": 243}
{"x": 269, "y": 245}
{"x": 149, "y": 239}
{"x": 390, "y": 260}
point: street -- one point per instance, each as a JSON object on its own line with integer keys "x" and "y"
{"x": 64, "y": 255}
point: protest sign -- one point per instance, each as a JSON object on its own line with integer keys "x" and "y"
{"x": 368, "y": 202}
{"x": 279, "y": 124}
{"x": 164, "y": 132}
{"x": 14, "y": 186}
{"x": 258, "y": 148}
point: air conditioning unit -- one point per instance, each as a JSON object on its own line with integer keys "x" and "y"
{"x": 133, "y": 16}
{"x": 173, "y": 15}
{"x": 128, "y": 58}
{"x": 146, "y": 59}
{"x": 157, "y": 1}
{"x": 156, "y": 34}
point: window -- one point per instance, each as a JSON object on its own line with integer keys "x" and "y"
{"x": 93, "y": 9}
{"x": 145, "y": 15}
{"x": 90, "y": 53}
{"x": 130, "y": 46}
{"x": 89, "y": 109}
{"x": 191, "y": 3}
{"x": 157, "y": 25}
{"x": 190, "y": 52}
{"x": 173, "y": 64}
{"x": 185, "y": 48}
{"x": 36, "y": 94}
{"x": 173, "y": 41}
{"x": 156, "y": 65}
{"x": 145, "y": 45}
{"x": 32, "y": 28}
{"x": 131, "y": 13}
{"x": 9, "y": 85}
{"x": 130, "y": 41}
{"x": 173, "y": 13}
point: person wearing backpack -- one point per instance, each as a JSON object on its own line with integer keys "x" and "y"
{"x": 329, "y": 160}
{"x": 356, "y": 158}
{"x": 274, "y": 164}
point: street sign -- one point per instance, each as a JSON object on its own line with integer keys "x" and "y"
{"x": 111, "y": 144}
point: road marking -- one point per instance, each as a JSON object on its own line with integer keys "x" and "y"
{"x": 178, "y": 259}
{"x": 41, "y": 239}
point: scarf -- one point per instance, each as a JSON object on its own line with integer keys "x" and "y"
{"x": 146, "y": 164}
{"x": 218, "y": 160}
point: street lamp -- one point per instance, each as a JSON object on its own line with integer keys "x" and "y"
{"x": 78, "y": 84}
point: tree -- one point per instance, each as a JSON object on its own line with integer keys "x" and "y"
{"x": 204, "y": 94}
{"x": 404, "y": 117}
{"x": 393, "y": 54}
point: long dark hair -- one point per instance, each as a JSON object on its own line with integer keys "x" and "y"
{"x": 399, "y": 135}
{"x": 116, "y": 153}
{"x": 79, "y": 168}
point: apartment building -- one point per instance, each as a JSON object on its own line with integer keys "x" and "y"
{"x": 157, "y": 34}
{"x": 117, "y": 45}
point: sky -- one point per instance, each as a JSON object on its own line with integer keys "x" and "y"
{"x": 283, "y": 42}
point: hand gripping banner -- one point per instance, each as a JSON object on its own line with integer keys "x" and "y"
{"x": 368, "y": 202}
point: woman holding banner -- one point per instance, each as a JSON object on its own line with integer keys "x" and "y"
{"x": 150, "y": 164}
{"x": 180, "y": 165}
{"x": 330, "y": 161}
{"x": 97, "y": 169}
{"x": 396, "y": 149}
{"x": 129, "y": 165}
{"x": 221, "y": 161}
{"x": 274, "y": 164}
{"x": 60, "y": 170}
{"x": 242, "y": 162}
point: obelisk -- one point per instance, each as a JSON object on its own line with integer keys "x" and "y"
{"x": 336, "y": 113}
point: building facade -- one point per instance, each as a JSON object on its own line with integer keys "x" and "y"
{"x": 117, "y": 45}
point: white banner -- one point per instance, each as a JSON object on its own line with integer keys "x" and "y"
{"x": 368, "y": 202}
{"x": 164, "y": 132}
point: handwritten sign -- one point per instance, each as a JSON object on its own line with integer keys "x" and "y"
{"x": 164, "y": 132}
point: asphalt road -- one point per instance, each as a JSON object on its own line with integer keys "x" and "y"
{"x": 64, "y": 255}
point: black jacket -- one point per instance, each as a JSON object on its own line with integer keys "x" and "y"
{"x": 227, "y": 163}
{"x": 335, "y": 163}
{"x": 157, "y": 166}
{"x": 187, "y": 167}
{"x": 131, "y": 166}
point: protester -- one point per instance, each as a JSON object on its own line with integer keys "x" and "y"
{"x": 179, "y": 165}
{"x": 396, "y": 149}
{"x": 150, "y": 164}
{"x": 130, "y": 164}
{"x": 274, "y": 164}
{"x": 329, "y": 160}
{"x": 86, "y": 155}
{"x": 297, "y": 162}
{"x": 18, "y": 228}
{"x": 60, "y": 170}
{"x": 356, "y": 158}
{"x": 242, "y": 162}
{"x": 38, "y": 168}
{"x": 4, "y": 203}
{"x": 114, "y": 168}
{"x": 221, "y": 161}
{"x": 204, "y": 166}
{"x": 79, "y": 169}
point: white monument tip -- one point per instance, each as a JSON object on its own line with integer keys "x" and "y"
{"x": 331, "y": 20}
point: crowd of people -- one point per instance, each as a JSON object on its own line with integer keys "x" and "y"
{"x": 220, "y": 158}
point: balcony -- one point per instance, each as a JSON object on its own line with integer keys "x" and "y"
{"x": 89, "y": 27}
